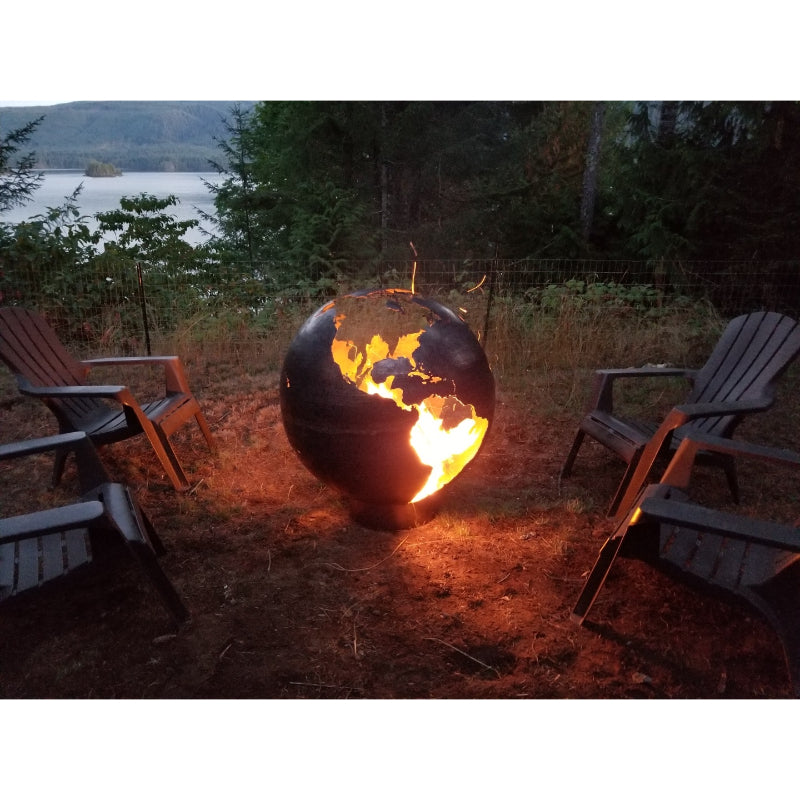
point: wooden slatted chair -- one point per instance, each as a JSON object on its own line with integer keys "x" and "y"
{"x": 45, "y": 369}
{"x": 738, "y": 379}
{"x": 751, "y": 561}
{"x": 46, "y": 544}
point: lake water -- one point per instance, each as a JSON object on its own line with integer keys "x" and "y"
{"x": 103, "y": 194}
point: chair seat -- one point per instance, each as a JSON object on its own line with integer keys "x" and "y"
{"x": 106, "y": 424}
{"x": 624, "y": 437}
{"x": 29, "y": 563}
{"x": 720, "y": 561}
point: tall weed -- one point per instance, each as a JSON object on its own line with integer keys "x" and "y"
{"x": 553, "y": 347}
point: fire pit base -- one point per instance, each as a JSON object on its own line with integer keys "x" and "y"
{"x": 384, "y": 517}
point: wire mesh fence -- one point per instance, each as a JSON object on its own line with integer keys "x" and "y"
{"x": 124, "y": 306}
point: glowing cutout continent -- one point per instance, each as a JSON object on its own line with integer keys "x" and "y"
{"x": 448, "y": 433}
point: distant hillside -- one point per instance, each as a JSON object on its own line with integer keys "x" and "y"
{"x": 137, "y": 136}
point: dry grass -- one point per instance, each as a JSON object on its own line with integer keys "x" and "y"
{"x": 290, "y": 598}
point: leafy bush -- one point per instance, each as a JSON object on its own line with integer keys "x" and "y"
{"x": 581, "y": 294}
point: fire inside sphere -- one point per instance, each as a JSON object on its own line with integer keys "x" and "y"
{"x": 386, "y": 396}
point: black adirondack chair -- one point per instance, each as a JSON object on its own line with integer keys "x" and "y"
{"x": 47, "y": 544}
{"x": 45, "y": 369}
{"x": 753, "y": 562}
{"x": 738, "y": 379}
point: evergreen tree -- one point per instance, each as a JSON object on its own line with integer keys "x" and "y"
{"x": 234, "y": 196}
{"x": 541, "y": 210}
{"x": 327, "y": 184}
{"x": 18, "y": 181}
{"x": 341, "y": 182}
{"x": 708, "y": 181}
{"x": 316, "y": 183}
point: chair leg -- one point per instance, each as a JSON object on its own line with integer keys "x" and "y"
{"x": 137, "y": 530}
{"x": 566, "y": 470}
{"x": 201, "y": 421}
{"x": 776, "y": 599}
{"x": 597, "y": 577}
{"x": 147, "y": 528}
{"x": 729, "y": 465}
{"x": 635, "y": 477}
{"x": 166, "y": 455}
{"x": 169, "y": 596}
{"x": 608, "y": 554}
{"x": 623, "y": 485}
{"x": 59, "y": 461}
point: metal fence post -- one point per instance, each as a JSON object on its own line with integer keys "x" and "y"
{"x": 144, "y": 307}
{"x": 492, "y": 270}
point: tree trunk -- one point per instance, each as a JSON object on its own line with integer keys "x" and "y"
{"x": 589, "y": 192}
{"x": 667, "y": 119}
{"x": 384, "y": 183}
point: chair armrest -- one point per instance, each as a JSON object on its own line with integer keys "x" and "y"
{"x": 38, "y": 523}
{"x": 698, "y": 410}
{"x": 41, "y": 445}
{"x": 647, "y": 372}
{"x": 603, "y": 385}
{"x": 733, "y": 447}
{"x": 175, "y": 377}
{"x": 682, "y": 414}
{"x": 700, "y": 518}
{"x": 91, "y": 471}
{"x": 678, "y": 472}
{"x": 116, "y": 392}
{"x": 127, "y": 360}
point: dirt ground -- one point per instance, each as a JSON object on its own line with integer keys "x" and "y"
{"x": 292, "y": 599}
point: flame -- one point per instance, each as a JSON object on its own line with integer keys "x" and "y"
{"x": 447, "y": 452}
{"x": 414, "y": 269}
{"x": 478, "y": 285}
{"x": 447, "y": 433}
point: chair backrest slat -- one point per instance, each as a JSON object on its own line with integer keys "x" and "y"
{"x": 8, "y": 555}
{"x": 27, "y": 565}
{"x": 752, "y": 353}
{"x": 30, "y": 348}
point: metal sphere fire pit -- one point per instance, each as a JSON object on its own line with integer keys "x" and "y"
{"x": 386, "y": 396}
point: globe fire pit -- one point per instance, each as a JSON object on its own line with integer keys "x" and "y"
{"x": 386, "y": 396}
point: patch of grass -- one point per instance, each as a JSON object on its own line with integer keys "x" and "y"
{"x": 555, "y": 352}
